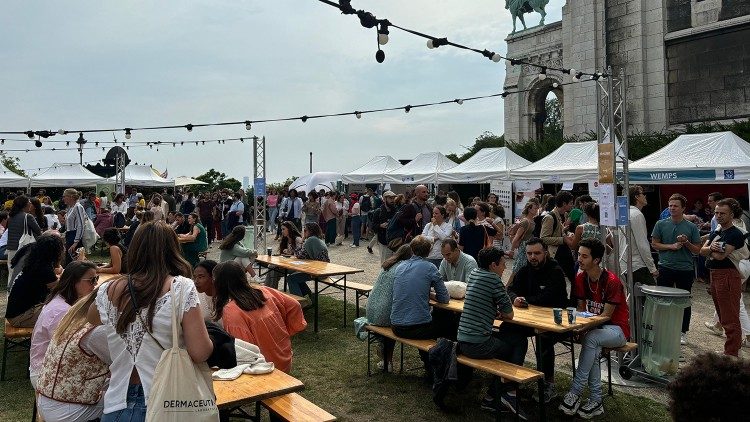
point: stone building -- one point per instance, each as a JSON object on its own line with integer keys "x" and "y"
{"x": 687, "y": 61}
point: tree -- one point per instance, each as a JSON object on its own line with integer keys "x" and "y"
{"x": 217, "y": 180}
{"x": 12, "y": 163}
{"x": 553, "y": 126}
{"x": 485, "y": 140}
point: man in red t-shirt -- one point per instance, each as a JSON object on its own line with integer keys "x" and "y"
{"x": 599, "y": 292}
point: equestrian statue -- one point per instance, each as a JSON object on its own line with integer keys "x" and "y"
{"x": 518, "y": 7}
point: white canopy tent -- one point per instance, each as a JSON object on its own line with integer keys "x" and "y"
{"x": 185, "y": 181}
{"x": 66, "y": 175}
{"x": 702, "y": 158}
{"x": 142, "y": 175}
{"x": 325, "y": 180}
{"x": 487, "y": 164}
{"x": 8, "y": 179}
{"x": 571, "y": 162}
{"x": 373, "y": 171}
{"x": 425, "y": 168}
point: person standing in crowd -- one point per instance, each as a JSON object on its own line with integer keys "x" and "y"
{"x": 119, "y": 209}
{"x": 365, "y": 206}
{"x": 259, "y": 315}
{"x": 342, "y": 212}
{"x": 89, "y": 205}
{"x": 205, "y": 212}
{"x": 676, "y": 240}
{"x": 487, "y": 299}
{"x": 76, "y": 282}
{"x": 217, "y": 217}
{"x": 541, "y": 282}
{"x": 436, "y": 231}
{"x": 236, "y": 212}
{"x": 20, "y": 222}
{"x": 117, "y": 253}
{"x": 523, "y": 232}
{"x": 75, "y": 218}
{"x": 168, "y": 195}
{"x": 553, "y": 233}
{"x": 454, "y": 217}
{"x": 226, "y": 204}
{"x": 313, "y": 248}
{"x": 36, "y": 210}
{"x": 9, "y": 201}
{"x": 311, "y": 208}
{"x": 644, "y": 269}
{"x": 291, "y": 208}
{"x": 380, "y": 218}
{"x": 155, "y": 206}
{"x": 456, "y": 264}
{"x": 600, "y": 292}
{"x": 591, "y": 229}
{"x": 188, "y": 205}
{"x": 356, "y": 216}
{"x": 233, "y": 249}
{"x": 141, "y": 217}
{"x": 139, "y": 326}
{"x": 195, "y": 241}
{"x": 475, "y": 235}
{"x": 724, "y": 248}
{"x": 329, "y": 215}
{"x": 410, "y": 314}
{"x": 418, "y": 214}
{"x": 272, "y": 207}
{"x": 103, "y": 200}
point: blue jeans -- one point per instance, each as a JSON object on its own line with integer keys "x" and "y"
{"x": 356, "y": 229}
{"x": 297, "y": 283}
{"x": 272, "y": 214}
{"x": 136, "y": 410}
{"x": 609, "y": 336}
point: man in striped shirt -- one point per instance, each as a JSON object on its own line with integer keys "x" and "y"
{"x": 487, "y": 299}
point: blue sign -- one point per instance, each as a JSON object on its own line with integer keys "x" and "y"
{"x": 671, "y": 176}
{"x": 622, "y": 211}
{"x": 728, "y": 174}
{"x": 259, "y": 187}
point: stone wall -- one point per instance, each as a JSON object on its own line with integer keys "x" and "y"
{"x": 709, "y": 76}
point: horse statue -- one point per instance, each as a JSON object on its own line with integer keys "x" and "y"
{"x": 518, "y": 7}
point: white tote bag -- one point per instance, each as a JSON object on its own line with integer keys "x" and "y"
{"x": 26, "y": 238}
{"x": 182, "y": 390}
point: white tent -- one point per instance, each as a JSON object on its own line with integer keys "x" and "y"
{"x": 571, "y": 162}
{"x": 487, "y": 164}
{"x": 425, "y": 168}
{"x": 184, "y": 181}
{"x": 697, "y": 158}
{"x": 373, "y": 171}
{"x": 66, "y": 175}
{"x": 325, "y": 180}
{"x": 142, "y": 175}
{"x": 8, "y": 179}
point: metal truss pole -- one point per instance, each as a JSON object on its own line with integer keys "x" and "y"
{"x": 120, "y": 173}
{"x": 259, "y": 172}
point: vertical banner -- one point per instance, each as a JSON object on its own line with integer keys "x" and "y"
{"x": 622, "y": 211}
{"x": 259, "y": 187}
{"x": 594, "y": 189}
{"x": 607, "y": 211}
{"x": 504, "y": 192}
{"x": 607, "y": 163}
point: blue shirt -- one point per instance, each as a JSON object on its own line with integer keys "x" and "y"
{"x": 237, "y": 206}
{"x": 411, "y": 292}
{"x": 666, "y": 232}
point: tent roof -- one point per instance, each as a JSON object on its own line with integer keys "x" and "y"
{"x": 486, "y": 164}
{"x": 325, "y": 180}
{"x": 8, "y": 179}
{"x": 66, "y": 175}
{"x": 184, "y": 181}
{"x": 571, "y": 162}
{"x": 422, "y": 169}
{"x": 142, "y": 175}
{"x": 373, "y": 170}
{"x": 702, "y": 157}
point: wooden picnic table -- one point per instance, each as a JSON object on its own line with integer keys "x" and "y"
{"x": 315, "y": 269}
{"x": 254, "y": 388}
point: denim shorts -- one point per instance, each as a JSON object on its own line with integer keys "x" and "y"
{"x": 136, "y": 410}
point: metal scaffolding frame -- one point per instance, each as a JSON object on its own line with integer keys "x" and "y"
{"x": 259, "y": 172}
{"x": 120, "y": 163}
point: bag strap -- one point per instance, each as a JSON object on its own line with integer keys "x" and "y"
{"x": 25, "y": 223}
{"x": 135, "y": 306}
{"x": 175, "y": 322}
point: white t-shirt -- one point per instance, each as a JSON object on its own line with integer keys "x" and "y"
{"x": 135, "y": 347}
{"x": 437, "y": 234}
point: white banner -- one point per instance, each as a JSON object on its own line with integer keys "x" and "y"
{"x": 607, "y": 204}
{"x": 504, "y": 192}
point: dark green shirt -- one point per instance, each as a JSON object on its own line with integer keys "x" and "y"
{"x": 485, "y": 296}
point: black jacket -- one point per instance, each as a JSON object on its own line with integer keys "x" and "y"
{"x": 543, "y": 286}
{"x": 379, "y": 216}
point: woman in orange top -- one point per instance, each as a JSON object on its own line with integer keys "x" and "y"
{"x": 259, "y": 315}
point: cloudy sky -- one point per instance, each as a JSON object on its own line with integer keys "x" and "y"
{"x": 93, "y": 64}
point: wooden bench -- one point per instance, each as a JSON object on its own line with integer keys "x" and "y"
{"x": 506, "y": 371}
{"x": 360, "y": 290}
{"x": 15, "y": 340}
{"x": 303, "y": 301}
{"x": 607, "y": 354}
{"x": 293, "y": 408}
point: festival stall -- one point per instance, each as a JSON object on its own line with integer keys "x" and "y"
{"x": 65, "y": 175}
{"x": 186, "y": 181}
{"x": 373, "y": 171}
{"x": 572, "y": 162}
{"x": 142, "y": 175}
{"x": 486, "y": 165}
{"x": 325, "y": 180}
{"x": 8, "y": 179}
{"x": 425, "y": 168}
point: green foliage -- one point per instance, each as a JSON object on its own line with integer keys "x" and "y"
{"x": 217, "y": 180}
{"x": 13, "y": 164}
{"x": 553, "y": 127}
{"x": 485, "y": 140}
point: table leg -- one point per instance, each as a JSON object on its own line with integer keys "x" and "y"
{"x": 315, "y": 324}
{"x": 344, "y": 300}
{"x": 537, "y": 339}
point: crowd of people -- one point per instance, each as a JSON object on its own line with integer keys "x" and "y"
{"x": 557, "y": 253}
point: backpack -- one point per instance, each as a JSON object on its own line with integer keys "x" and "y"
{"x": 538, "y": 224}
{"x": 395, "y": 234}
{"x": 365, "y": 204}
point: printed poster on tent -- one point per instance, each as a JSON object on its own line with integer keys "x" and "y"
{"x": 504, "y": 192}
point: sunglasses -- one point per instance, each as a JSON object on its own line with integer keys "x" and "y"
{"x": 93, "y": 280}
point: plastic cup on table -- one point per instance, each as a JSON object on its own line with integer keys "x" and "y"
{"x": 269, "y": 251}
{"x": 557, "y": 313}
{"x": 571, "y": 315}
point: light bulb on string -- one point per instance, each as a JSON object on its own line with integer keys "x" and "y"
{"x": 357, "y": 114}
{"x": 543, "y": 74}
{"x": 38, "y": 143}
{"x": 578, "y": 76}
{"x": 248, "y": 125}
{"x": 430, "y": 44}
{"x": 383, "y": 33}
{"x": 189, "y": 127}
{"x": 67, "y": 143}
{"x": 61, "y": 132}
{"x": 496, "y": 58}
{"x": 407, "y": 109}
{"x": 555, "y": 84}
{"x": 127, "y": 134}
{"x": 380, "y": 56}
{"x": 459, "y": 101}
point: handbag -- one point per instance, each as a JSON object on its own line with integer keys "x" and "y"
{"x": 182, "y": 390}
{"x": 26, "y": 238}
{"x": 90, "y": 236}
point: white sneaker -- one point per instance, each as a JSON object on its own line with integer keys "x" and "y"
{"x": 714, "y": 329}
{"x": 381, "y": 364}
{"x": 683, "y": 339}
{"x": 353, "y": 246}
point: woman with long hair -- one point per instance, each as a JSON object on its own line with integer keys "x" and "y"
{"x": 73, "y": 376}
{"x": 523, "y": 232}
{"x": 380, "y": 301}
{"x": 75, "y": 217}
{"x": 591, "y": 229}
{"x": 194, "y": 242}
{"x": 204, "y": 283}
{"x": 38, "y": 212}
{"x": 291, "y": 242}
{"x": 19, "y": 223}
{"x": 313, "y": 248}
{"x": 453, "y": 216}
{"x": 259, "y": 315}
{"x": 136, "y": 311}
{"x": 233, "y": 249}
{"x": 457, "y": 199}
{"x": 117, "y": 253}
{"x": 155, "y": 207}
{"x": 436, "y": 231}
{"x": 77, "y": 281}
{"x": 311, "y": 208}
{"x": 478, "y": 231}
{"x": 29, "y": 290}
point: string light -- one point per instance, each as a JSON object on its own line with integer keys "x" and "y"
{"x": 407, "y": 109}
{"x": 358, "y": 114}
{"x": 127, "y": 133}
{"x": 38, "y": 143}
{"x": 248, "y": 125}
{"x": 543, "y": 74}
{"x": 383, "y": 32}
{"x": 189, "y": 127}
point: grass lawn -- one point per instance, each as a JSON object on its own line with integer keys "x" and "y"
{"x": 332, "y": 364}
